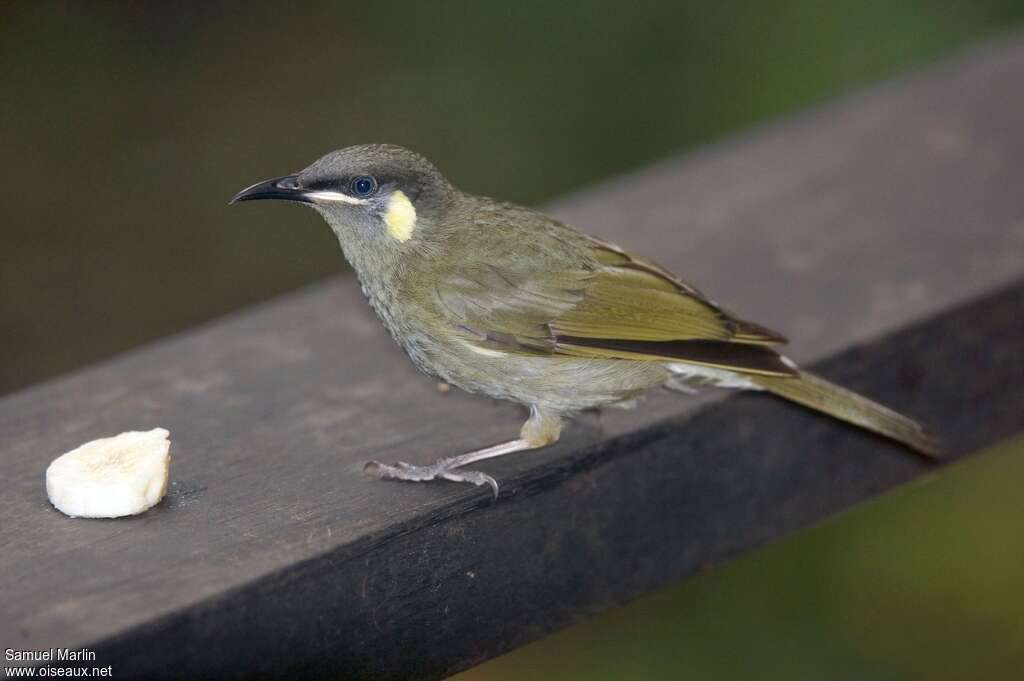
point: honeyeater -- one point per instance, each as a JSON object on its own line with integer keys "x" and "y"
{"x": 502, "y": 300}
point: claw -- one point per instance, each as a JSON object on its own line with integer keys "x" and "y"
{"x": 475, "y": 477}
{"x": 451, "y": 468}
{"x": 442, "y": 469}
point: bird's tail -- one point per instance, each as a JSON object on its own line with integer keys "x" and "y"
{"x": 816, "y": 393}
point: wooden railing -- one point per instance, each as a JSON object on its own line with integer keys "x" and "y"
{"x": 883, "y": 233}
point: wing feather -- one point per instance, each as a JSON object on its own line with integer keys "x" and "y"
{"x": 611, "y": 305}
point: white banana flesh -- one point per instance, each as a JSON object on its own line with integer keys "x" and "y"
{"x": 111, "y": 477}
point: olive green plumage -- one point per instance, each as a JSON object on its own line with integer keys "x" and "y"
{"x": 502, "y": 300}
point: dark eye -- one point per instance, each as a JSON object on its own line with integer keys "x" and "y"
{"x": 364, "y": 185}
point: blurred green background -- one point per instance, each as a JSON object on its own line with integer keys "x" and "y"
{"x": 125, "y": 128}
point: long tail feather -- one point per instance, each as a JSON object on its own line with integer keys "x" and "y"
{"x": 816, "y": 393}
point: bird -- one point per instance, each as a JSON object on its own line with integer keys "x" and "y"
{"x": 502, "y": 300}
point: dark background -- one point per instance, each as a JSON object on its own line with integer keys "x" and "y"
{"x": 126, "y": 127}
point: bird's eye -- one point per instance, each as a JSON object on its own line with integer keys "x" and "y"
{"x": 364, "y": 185}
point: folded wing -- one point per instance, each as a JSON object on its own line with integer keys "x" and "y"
{"x": 615, "y": 306}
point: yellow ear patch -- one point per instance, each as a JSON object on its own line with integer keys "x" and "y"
{"x": 400, "y": 216}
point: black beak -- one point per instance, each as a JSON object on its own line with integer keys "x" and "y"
{"x": 282, "y": 188}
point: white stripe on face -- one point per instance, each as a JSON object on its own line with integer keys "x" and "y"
{"x": 335, "y": 196}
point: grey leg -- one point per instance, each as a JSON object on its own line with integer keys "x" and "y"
{"x": 540, "y": 429}
{"x": 448, "y": 468}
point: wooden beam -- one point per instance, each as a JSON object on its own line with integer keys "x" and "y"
{"x": 884, "y": 233}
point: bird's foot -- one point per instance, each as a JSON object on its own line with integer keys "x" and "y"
{"x": 452, "y": 469}
{"x": 445, "y": 469}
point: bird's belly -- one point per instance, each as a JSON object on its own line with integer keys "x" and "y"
{"x": 559, "y": 383}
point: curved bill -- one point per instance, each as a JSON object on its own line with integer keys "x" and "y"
{"x": 281, "y": 188}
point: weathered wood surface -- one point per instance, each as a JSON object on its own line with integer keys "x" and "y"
{"x": 891, "y": 223}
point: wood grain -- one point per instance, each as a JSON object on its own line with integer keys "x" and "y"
{"x": 884, "y": 234}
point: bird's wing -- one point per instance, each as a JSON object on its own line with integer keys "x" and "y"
{"x": 508, "y": 310}
{"x": 608, "y": 305}
{"x": 635, "y": 309}
{"x": 663, "y": 306}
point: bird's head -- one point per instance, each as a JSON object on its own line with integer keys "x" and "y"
{"x": 377, "y": 198}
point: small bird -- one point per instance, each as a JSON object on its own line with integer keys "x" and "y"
{"x": 502, "y": 300}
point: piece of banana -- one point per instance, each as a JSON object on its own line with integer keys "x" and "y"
{"x": 111, "y": 477}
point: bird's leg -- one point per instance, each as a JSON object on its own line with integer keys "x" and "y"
{"x": 542, "y": 428}
{"x": 448, "y": 468}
